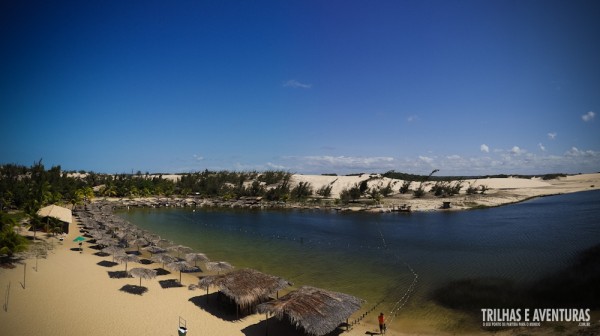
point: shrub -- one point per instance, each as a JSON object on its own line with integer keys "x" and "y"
{"x": 325, "y": 191}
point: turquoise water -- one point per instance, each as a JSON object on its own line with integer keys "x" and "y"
{"x": 373, "y": 256}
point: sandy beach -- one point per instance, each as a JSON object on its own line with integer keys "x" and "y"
{"x": 70, "y": 294}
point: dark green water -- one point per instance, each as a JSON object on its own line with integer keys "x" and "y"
{"x": 372, "y": 255}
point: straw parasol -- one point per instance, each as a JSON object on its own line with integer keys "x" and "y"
{"x": 155, "y": 249}
{"x": 127, "y": 258}
{"x": 315, "y": 310}
{"x": 246, "y": 287}
{"x": 145, "y": 273}
{"x": 112, "y": 249}
{"x": 218, "y": 266}
{"x": 139, "y": 242}
{"x": 106, "y": 242}
{"x": 162, "y": 242}
{"x": 164, "y": 259}
{"x": 180, "y": 249}
{"x": 195, "y": 257}
{"x": 179, "y": 266}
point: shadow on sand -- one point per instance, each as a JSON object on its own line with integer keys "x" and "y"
{"x": 133, "y": 289}
{"x": 101, "y": 254}
{"x": 279, "y": 327}
{"x": 171, "y": 283}
{"x": 119, "y": 275}
{"x": 213, "y": 305}
{"x": 161, "y": 271}
{"x": 106, "y": 263}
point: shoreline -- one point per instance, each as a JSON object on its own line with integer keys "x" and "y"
{"x": 501, "y": 191}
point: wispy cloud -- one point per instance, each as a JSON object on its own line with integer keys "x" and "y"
{"x": 198, "y": 157}
{"x": 341, "y": 164}
{"x": 412, "y": 118}
{"x": 575, "y": 152}
{"x": 542, "y": 147}
{"x": 588, "y": 116}
{"x": 426, "y": 159}
{"x": 484, "y": 148}
{"x": 292, "y": 83}
{"x": 552, "y": 136}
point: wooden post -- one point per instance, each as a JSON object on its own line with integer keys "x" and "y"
{"x": 267, "y": 324}
{"x": 6, "y": 297}
{"x": 24, "y": 274}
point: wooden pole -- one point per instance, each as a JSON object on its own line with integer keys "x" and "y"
{"x": 267, "y": 324}
{"x": 24, "y": 274}
{"x": 6, "y": 297}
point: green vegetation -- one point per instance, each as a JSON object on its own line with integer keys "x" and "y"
{"x": 31, "y": 188}
{"x": 445, "y": 189}
{"x": 325, "y": 191}
{"x": 302, "y": 191}
{"x": 10, "y": 241}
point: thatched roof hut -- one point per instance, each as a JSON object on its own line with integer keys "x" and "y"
{"x": 315, "y": 310}
{"x": 246, "y": 287}
{"x": 60, "y": 213}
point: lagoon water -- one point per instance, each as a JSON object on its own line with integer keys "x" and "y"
{"x": 376, "y": 256}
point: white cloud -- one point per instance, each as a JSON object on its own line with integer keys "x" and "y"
{"x": 588, "y": 116}
{"x": 575, "y": 152}
{"x": 516, "y": 150}
{"x": 276, "y": 166}
{"x": 338, "y": 164}
{"x": 412, "y": 118}
{"x": 292, "y": 83}
{"x": 198, "y": 157}
{"x": 552, "y": 136}
{"x": 542, "y": 148}
{"x": 484, "y": 148}
{"x": 426, "y": 159}
{"x": 453, "y": 157}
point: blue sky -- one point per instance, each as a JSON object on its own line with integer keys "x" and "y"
{"x": 467, "y": 87}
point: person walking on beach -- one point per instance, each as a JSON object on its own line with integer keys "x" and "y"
{"x": 381, "y": 319}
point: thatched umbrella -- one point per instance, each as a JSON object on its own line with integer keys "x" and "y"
{"x": 151, "y": 236}
{"x": 218, "y": 266}
{"x": 246, "y": 287}
{"x": 164, "y": 259}
{"x": 106, "y": 242}
{"x": 317, "y": 311}
{"x": 155, "y": 249}
{"x": 140, "y": 272}
{"x": 138, "y": 242}
{"x": 127, "y": 258}
{"x": 179, "y": 266}
{"x": 180, "y": 249}
{"x": 195, "y": 257}
{"x": 113, "y": 250}
{"x": 162, "y": 242}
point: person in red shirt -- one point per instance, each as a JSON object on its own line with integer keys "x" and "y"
{"x": 381, "y": 319}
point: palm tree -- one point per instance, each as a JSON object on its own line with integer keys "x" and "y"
{"x": 10, "y": 241}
